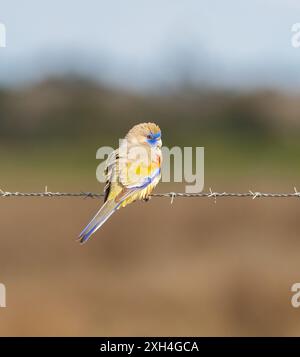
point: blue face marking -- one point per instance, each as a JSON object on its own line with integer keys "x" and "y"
{"x": 152, "y": 138}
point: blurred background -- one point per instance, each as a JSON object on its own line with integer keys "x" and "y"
{"x": 76, "y": 76}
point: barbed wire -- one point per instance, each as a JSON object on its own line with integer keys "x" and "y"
{"x": 211, "y": 194}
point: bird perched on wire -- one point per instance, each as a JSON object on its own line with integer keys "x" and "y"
{"x": 132, "y": 171}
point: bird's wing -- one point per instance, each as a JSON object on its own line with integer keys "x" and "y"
{"x": 137, "y": 172}
{"x": 124, "y": 179}
{"x": 124, "y": 174}
{"x": 110, "y": 172}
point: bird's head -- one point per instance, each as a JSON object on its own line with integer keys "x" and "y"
{"x": 145, "y": 134}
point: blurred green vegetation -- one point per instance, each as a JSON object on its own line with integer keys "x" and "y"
{"x": 53, "y": 128}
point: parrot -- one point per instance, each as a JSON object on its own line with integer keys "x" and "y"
{"x": 132, "y": 171}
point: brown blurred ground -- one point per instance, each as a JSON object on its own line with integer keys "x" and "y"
{"x": 193, "y": 268}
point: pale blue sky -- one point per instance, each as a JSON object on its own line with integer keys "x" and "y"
{"x": 143, "y": 42}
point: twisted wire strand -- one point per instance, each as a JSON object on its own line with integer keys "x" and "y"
{"x": 172, "y": 195}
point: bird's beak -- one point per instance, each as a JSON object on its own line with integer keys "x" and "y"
{"x": 159, "y": 143}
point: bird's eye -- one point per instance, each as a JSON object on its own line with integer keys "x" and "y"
{"x": 149, "y": 136}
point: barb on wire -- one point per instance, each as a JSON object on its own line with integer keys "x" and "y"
{"x": 172, "y": 195}
{"x": 211, "y": 194}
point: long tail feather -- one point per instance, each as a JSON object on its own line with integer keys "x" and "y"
{"x": 100, "y": 218}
